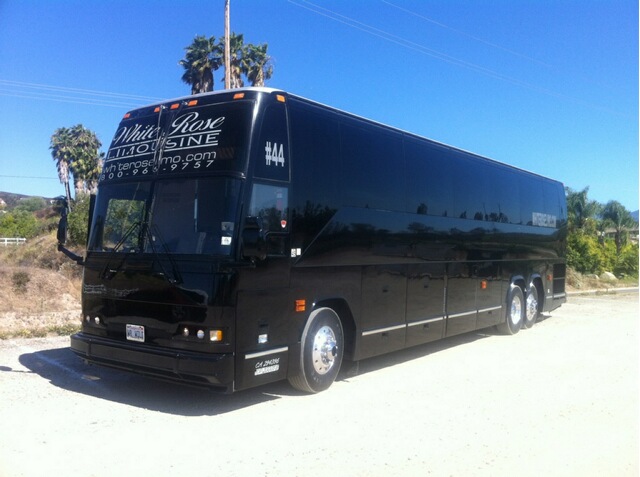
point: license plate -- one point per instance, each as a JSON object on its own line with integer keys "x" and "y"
{"x": 135, "y": 333}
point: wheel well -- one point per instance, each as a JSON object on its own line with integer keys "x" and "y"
{"x": 346, "y": 318}
{"x": 519, "y": 282}
{"x": 537, "y": 282}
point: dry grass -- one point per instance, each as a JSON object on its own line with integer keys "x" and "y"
{"x": 39, "y": 290}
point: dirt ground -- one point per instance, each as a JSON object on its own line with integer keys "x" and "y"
{"x": 560, "y": 399}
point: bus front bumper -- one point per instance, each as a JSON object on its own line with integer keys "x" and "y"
{"x": 209, "y": 370}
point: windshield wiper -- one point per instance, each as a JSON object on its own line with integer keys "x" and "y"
{"x": 177, "y": 277}
{"x": 108, "y": 273}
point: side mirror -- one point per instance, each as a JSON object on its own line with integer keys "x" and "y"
{"x": 62, "y": 239}
{"x": 253, "y": 243}
{"x": 62, "y": 229}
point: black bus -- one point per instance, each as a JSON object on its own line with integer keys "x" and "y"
{"x": 247, "y": 236}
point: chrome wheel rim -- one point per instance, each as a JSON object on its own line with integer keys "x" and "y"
{"x": 532, "y": 307}
{"x": 325, "y": 350}
{"x": 516, "y": 310}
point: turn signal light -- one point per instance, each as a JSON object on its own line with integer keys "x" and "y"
{"x": 238, "y": 96}
{"x": 215, "y": 335}
{"x": 301, "y": 305}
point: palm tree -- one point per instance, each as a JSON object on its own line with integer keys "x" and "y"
{"x": 260, "y": 66}
{"x": 238, "y": 53}
{"x": 75, "y": 151}
{"x": 619, "y": 218}
{"x": 61, "y": 151}
{"x": 86, "y": 162}
{"x": 579, "y": 208}
{"x": 202, "y": 58}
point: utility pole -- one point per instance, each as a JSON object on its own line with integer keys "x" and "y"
{"x": 227, "y": 48}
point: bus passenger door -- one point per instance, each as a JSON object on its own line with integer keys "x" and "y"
{"x": 264, "y": 304}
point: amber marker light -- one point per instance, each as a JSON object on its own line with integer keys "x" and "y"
{"x": 175, "y": 106}
{"x": 484, "y": 284}
{"x": 280, "y": 98}
{"x": 157, "y": 110}
{"x": 193, "y": 102}
{"x": 238, "y": 96}
{"x": 127, "y": 116}
{"x": 215, "y": 335}
{"x": 301, "y": 305}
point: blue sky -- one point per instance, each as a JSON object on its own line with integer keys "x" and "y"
{"x": 548, "y": 86}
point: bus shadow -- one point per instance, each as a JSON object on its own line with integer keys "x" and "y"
{"x": 65, "y": 370}
{"x": 352, "y": 369}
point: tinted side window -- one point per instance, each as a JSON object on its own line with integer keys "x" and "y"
{"x": 429, "y": 180}
{"x": 316, "y": 168}
{"x": 554, "y": 201}
{"x": 531, "y": 198}
{"x": 502, "y": 195}
{"x": 469, "y": 190}
{"x": 372, "y": 167}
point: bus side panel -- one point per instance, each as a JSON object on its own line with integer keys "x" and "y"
{"x": 263, "y": 321}
{"x": 490, "y": 294}
{"x": 384, "y": 299}
{"x": 425, "y": 303}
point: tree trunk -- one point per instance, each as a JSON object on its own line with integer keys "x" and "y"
{"x": 67, "y": 191}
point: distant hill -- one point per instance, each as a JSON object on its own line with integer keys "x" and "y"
{"x": 635, "y": 215}
{"x": 14, "y": 199}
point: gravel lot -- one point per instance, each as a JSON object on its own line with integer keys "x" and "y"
{"x": 558, "y": 400}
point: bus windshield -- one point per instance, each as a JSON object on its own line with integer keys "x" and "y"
{"x": 182, "y": 216}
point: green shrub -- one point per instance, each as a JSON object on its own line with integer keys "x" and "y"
{"x": 78, "y": 221}
{"x": 627, "y": 262}
{"x": 584, "y": 253}
{"x": 19, "y": 223}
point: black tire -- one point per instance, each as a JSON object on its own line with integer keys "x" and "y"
{"x": 515, "y": 312}
{"x": 532, "y": 307}
{"x": 321, "y": 352}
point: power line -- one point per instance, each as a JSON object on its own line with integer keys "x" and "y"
{"x": 78, "y": 90}
{"x": 65, "y": 94}
{"x": 377, "y": 32}
{"x": 463, "y": 33}
{"x": 551, "y": 67}
{"x": 29, "y": 177}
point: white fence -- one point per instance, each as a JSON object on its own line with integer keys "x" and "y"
{"x": 5, "y": 241}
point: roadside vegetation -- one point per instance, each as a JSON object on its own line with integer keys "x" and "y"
{"x": 602, "y": 243}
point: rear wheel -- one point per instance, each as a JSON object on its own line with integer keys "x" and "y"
{"x": 321, "y": 352}
{"x": 531, "y": 307}
{"x": 515, "y": 312}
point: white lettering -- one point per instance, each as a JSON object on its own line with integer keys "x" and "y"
{"x": 190, "y": 123}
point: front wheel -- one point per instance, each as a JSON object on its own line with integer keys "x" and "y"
{"x": 322, "y": 348}
{"x": 515, "y": 312}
